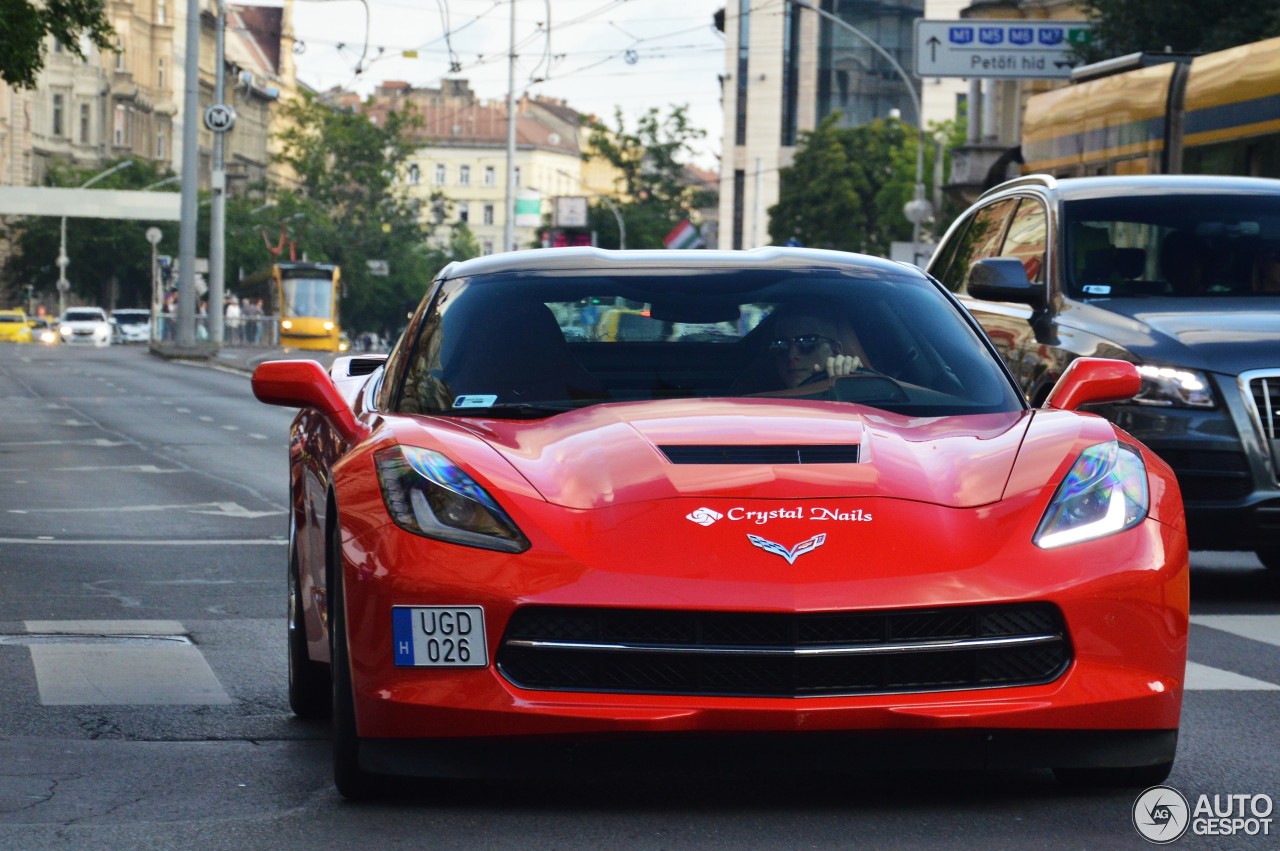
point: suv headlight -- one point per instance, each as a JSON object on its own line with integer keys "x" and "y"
{"x": 427, "y": 494}
{"x": 1105, "y": 492}
{"x": 1171, "y": 387}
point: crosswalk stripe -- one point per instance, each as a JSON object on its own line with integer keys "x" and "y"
{"x": 1264, "y": 628}
{"x": 122, "y": 663}
{"x": 1204, "y": 678}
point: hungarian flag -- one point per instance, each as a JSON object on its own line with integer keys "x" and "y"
{"x": 684, "y": 235}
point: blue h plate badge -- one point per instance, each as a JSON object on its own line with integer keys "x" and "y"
{"x": 438, "y": 637}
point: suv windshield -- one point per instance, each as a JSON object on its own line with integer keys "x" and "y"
{"x": 529, "y": 345}
{"x": 83, "y": 316}
{"x": 1173, "y": 245}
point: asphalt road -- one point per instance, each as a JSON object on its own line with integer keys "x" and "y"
{"x": 142, "y": 671}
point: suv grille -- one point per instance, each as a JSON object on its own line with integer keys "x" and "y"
{"x": 638, "y": 651}
{"x": 1262, "y": 390}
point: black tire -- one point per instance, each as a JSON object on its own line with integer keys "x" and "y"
{"x": 1269, "y": 556}
{"x": 353, "y": 782}
{"x": 309, "y": 682}
{"x": 1138, "y": 777}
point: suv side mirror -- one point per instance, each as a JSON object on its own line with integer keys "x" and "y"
{"x": 1004, "y": 279}
{"x": 1089, "y": 380}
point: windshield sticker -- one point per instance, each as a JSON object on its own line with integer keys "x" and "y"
{"x": 1097, "y": 289}
{"x": 705, "y": 516}
{"x": 477, "y": 401}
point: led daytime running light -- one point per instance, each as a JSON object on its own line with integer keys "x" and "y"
{"x": 1105, "y": 492}
{"x": 427, "y": 494}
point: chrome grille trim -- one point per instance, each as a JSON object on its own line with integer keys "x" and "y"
{"x": 1260, "y": 391}
{"x": 795, "y": 652}
{"x": 783, "y": 654}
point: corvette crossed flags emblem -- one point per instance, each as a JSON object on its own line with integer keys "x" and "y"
{"x": 789, "y": 554}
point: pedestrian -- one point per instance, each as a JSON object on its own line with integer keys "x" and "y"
{"x": 231, "y": 331}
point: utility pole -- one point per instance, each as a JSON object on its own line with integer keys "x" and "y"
{"x": 186, "y": 337}
{"x": 509, "y": 226}
{"x": 218, "y": 186}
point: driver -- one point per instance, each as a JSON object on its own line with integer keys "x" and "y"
{"x": 807, "y": 348}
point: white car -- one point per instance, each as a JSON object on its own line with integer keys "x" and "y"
{"x": 85, "y": 326}
{"x": 133, "y": 325}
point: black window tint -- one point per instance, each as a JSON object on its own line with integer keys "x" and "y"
{"x": 1028, "y": 233}
{"x": 980, "y": 239}
{"x": 534, "y": 344}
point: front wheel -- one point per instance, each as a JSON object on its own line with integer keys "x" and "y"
{"x": 353, "y": 782}
{"x": 309, "y": 685}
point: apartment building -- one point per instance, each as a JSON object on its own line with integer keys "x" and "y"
{"x": 462, "y": 154}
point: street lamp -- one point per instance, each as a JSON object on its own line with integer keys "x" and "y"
{"x": 613, "y": 208}
{"x": 63, "y": 284}
{"x": 918, "y": 209}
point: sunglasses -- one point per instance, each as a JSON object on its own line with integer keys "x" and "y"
{"x": 805, "y": 344}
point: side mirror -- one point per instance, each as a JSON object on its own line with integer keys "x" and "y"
{"x": 305, "y": 384}
{"x": 1004, "y": 279}
{"x": 1089, "y": 380}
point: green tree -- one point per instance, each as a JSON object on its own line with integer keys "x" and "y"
{"x": 1121, "y": 27}
{"x": 652, "y": 159}
{"x": 24, "y": 24}
{"x": 847, "y": 186}
{"x": 110, "y": 259}
{"x": 354, "y": 209}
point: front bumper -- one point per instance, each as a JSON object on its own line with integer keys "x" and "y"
{"x": 737, "y": 755}
{"x": 1123, "y": 598}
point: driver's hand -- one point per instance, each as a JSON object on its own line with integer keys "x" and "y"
{"x": 842, "y": 365}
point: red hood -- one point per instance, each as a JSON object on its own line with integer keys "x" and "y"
{"x": 608, "y": 455}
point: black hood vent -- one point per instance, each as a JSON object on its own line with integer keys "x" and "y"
{"x": 838, "y": 453}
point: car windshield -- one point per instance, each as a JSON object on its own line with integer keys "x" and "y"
{"x": 130, "y": 318}
{"x": 530, "y": 345}
{"x": 82, "y": 316}
{"x": 10, "y": 317}
{"x": 1188, "y": 246}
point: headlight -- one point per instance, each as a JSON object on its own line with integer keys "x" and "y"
{"x": 1170, "y": 387}
{"x": 1105, "y": 492}
{"x": 286, "y": 324}
{"x": 65, "y": 330}
{"x": 427, "y": 494}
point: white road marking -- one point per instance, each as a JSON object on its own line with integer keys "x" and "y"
{"x": 117, "y": 627}
{"x": 231, "y": 427}
{"x": 183, "y": 410}
{"x": 206, "y": 419}
{"x": 97, "y": 442}
{"x": 120, "y": 663}
{"x": 93, "y": 675}
{"x": 219, "y": 509}
{"x": 133, "y": 542}
{"x": 257, "y": 436}
{"x": 1204, "y": 678}
{"x": 1264, "y": 628}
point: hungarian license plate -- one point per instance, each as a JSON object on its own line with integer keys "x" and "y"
{"x": 439, "y": 636}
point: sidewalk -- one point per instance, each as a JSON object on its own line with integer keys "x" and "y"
{"x": 239, "y": 358}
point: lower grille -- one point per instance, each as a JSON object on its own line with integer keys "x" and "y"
{"x": 783, "y": 655}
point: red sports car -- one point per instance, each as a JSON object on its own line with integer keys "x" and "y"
{"x": 686, "y": 507}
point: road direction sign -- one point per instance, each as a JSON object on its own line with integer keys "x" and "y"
{"x": 219, "y": 118}
{"x": 1016, "y": 49}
